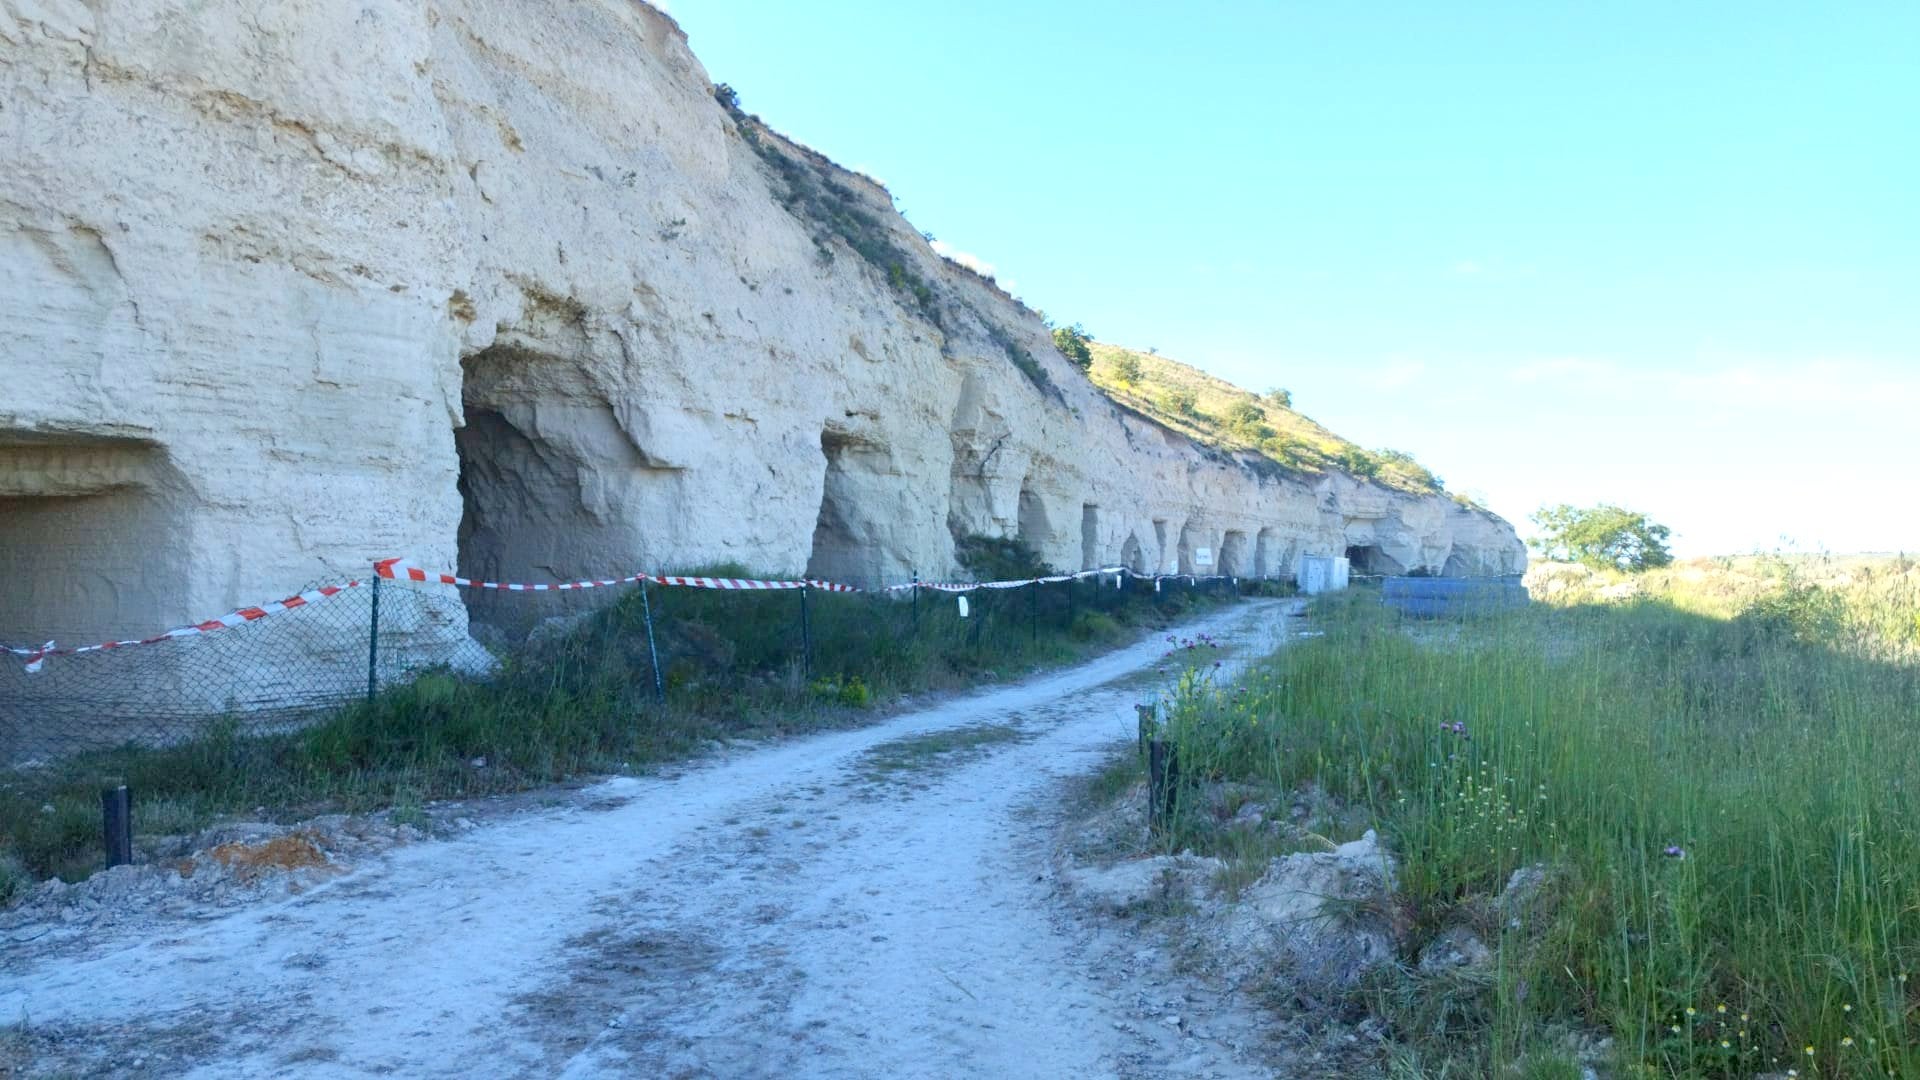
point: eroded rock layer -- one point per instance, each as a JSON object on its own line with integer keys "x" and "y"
{"x": 504, "y": 287}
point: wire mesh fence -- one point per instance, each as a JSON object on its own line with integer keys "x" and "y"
{"x": 644, "y": 643}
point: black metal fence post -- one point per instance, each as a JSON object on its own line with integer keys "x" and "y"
{"x": 916, "y": 599}
{"x": 1163, "y": 782}
{"x": 806, "y": 637}
{"x": 653, "y": 651}
{"x": 116, "y": 806}
{"x": 1033, "y": 610}
{"x": 373, "y": 642}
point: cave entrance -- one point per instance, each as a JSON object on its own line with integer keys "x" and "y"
{"x": 1183, "y": 554}
{"x": 1160, "y": 551}
{"x": 1035, "y": 530}
{"x": 846, "y": 539}
{"x": 1266, "y": 555}
{"x": 1131, "y": 556}
{"x": 1370, "y": 560}
{"x": 1233, "y": 554}
{"x": 553, "y": 487}
{"x": 91, "y": 541}
{"x": 1089, "y": 537}
{"x": 508, "y": 518}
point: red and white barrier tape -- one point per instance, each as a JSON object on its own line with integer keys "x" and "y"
{"x": 400, "y": 570}
{"x": 38, "y": 657}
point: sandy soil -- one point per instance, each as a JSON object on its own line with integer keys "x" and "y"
{"x": 867, "y": 903}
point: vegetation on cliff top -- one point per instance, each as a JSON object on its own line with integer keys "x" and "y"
{"x": 1217, "y": 413}
{"x": 1209, "y": 410}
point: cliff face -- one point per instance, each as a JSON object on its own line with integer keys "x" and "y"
{"x": 503, "y": 286}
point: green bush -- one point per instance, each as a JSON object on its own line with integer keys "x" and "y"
{"x": 1180, "y": 402}
{"x": 1074, "y": 344}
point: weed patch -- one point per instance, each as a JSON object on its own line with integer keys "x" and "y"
{"x": 933, "y": 751}
{"x": 1693, "y": 831}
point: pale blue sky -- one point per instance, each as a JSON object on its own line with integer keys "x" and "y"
{"x": 1666, "y": 255}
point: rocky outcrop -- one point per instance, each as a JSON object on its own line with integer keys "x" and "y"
{"x": 505, "y": 287}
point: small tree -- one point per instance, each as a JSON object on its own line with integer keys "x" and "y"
{"x": 1180, "y": 402}
{"x": 1073, "y": 342}
{"x": 1281, "y": 397}
{"x": 1244, "y": 413}
{"x": 1602, "y": 536}
{"x": 1245, "y": 419}
{"x": 1126, "y": 368}
{"x": 1359, "y": 462}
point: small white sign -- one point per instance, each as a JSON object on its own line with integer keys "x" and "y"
{"x": 1203, "y": 556}
{"x": 963, "y": 606}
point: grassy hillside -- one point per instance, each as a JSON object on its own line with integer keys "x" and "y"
{"x": 1221, "y": 414}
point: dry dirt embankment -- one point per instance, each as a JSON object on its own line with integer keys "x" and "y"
{"x": 878, "y": 902}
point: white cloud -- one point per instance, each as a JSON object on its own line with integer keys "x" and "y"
{"x": 1397, "y": 375}
{"x": 965, "y": 258}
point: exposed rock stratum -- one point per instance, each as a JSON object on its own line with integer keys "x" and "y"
{"x": 505, "y": 287}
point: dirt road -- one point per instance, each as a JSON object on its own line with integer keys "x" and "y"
{"x": 866, "y": 903}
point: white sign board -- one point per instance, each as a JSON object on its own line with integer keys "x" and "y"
{"x": 1203, "y": 556}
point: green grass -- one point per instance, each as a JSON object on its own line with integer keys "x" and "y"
{"x": 933, "y": 750}
{"x": 1203, "y": 407}
{"x": 578, "y": 705}
{"x": 1719, "y": 773}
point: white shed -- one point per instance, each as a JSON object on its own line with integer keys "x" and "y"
{"x": 1322, "y": 573}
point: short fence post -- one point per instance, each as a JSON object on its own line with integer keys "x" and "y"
{"x": 1148, "y": 722}
{"x": 1033, "y": 609}
{"x": 806, "y": 636}
{"x": 116, "y": 806}
{"x": 1071, "y": 582}
{"x": 1163, "y": 782}
{"x": 653, "y": 652}
{"x": 916, "y": 599}
{"x": 373, "y": 642}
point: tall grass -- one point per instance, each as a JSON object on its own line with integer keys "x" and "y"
{"x": 732, "y": 665}
{"x": 1726, "y": 804}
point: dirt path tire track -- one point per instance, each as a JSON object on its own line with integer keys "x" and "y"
{"x": 780, "y": 912}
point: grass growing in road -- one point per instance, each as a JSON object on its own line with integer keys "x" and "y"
{"x": 916, "y": 755}
{"x": 577, "y": 704}
{"x": 1719, "y": 782}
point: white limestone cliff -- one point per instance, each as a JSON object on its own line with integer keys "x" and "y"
{"x": 503, "y": 286}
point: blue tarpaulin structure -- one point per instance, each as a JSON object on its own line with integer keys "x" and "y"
{"x": 1442, "y": 598}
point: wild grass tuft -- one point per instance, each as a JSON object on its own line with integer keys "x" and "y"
{"x": 1721, "y": 795}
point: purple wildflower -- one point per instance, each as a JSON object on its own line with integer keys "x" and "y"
{"x": 1675, "y": 851}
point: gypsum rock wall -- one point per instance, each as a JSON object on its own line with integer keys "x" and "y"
{"x": 504, "y": 287}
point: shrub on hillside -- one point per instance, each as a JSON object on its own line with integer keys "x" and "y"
{"x": 1075, "y": 344}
